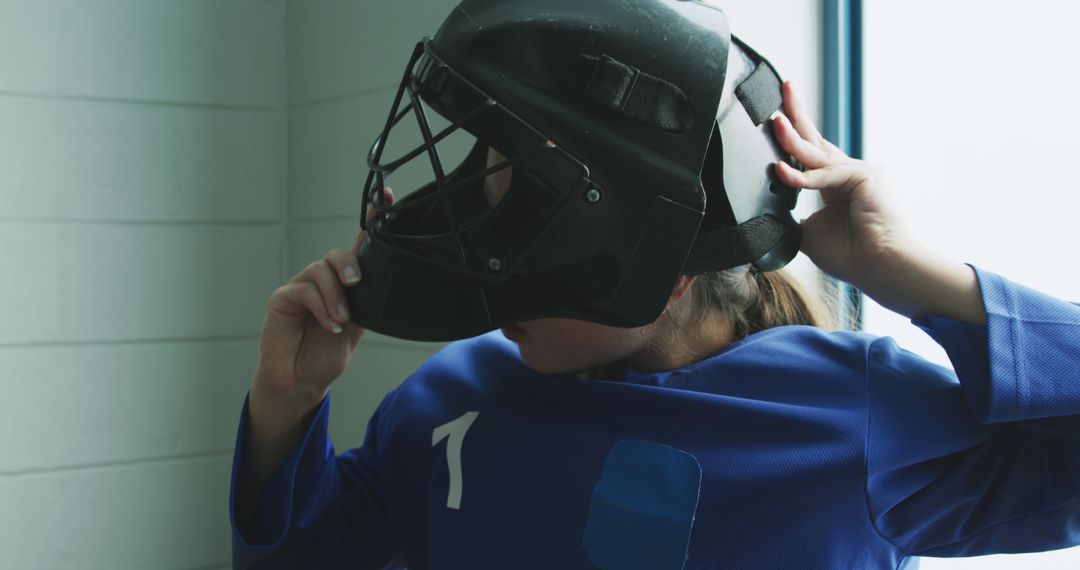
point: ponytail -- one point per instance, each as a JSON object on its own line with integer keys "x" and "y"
{"x": 752, "y": 301}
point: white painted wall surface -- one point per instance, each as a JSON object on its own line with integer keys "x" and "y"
{"x": 142, "y": 227}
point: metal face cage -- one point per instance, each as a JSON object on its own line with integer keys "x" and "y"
{"x": 455, "y": 222}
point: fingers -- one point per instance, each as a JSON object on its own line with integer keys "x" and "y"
{"x": 790, "y": 176}
{"x": 838, "y": 179}
{"x": 344, "y": 265}
{"x": 326, "y": 299}
{"x": 791, "y": 141}
{"x": 388, "y": 197}
{"x": 795, "y": 123}
{"x": 359, "y": 242}
{"x": 798, "y": 136}
{"x": 303, "y": 297}
{"x": 320, "y": 287}
{"x": 800, "y": 119}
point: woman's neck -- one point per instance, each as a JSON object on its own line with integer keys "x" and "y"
{"x": 672, "y": 347}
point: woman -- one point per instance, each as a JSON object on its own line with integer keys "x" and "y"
{"x": 726, "y": 433}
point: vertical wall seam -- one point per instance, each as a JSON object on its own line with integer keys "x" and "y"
{"x": 286, "y": 150}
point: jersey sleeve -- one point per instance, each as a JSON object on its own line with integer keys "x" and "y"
{"x": 985, "y": 459}
{"x": 318, "y": 510}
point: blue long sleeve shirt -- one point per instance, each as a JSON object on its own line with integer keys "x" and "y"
{"x": 791, "y": 448}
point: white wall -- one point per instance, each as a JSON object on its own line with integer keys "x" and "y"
{"x": 142, "y": 229}
{"x": 968, "y": 106}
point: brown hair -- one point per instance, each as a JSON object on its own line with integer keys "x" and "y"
{"x": 751, "y": 301}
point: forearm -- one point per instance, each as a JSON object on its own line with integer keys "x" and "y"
{"x": 277, "y": 420}
{"x": 919, "y": 282}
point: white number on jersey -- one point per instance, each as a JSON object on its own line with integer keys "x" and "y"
{"x": 455, "y": 430}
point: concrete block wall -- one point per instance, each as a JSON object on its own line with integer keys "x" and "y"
{"x": 165, "y": 165}
{"x": 142, "y": 228}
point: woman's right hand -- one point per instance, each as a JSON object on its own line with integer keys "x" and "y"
{"x": 307, "y": 337}
{"x": 302, "y": 353}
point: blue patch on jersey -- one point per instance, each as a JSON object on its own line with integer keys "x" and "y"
{"x": 642, "y": 508}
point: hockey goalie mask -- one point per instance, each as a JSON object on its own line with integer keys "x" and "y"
{"x": 595, "y": 130}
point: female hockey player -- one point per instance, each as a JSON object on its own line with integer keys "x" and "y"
{"x": 640, "y": 385}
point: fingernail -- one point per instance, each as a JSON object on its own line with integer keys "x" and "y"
{"x": 351, "y": 276}
{"x": 342, "y": 311}
{"x": 336, "y": 328}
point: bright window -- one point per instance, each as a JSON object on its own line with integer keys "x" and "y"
{"x": 970, "y": 107}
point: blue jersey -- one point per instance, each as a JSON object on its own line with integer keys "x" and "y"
{"x": 791, "y": 448}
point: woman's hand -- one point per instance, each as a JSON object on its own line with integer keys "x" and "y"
{"x": 305, "y": 346}
{"x": 858, "y": 231}
{"x": 858, "y": 237}
{"x": 307, "y": 341}
{"x": 307, "y": 337}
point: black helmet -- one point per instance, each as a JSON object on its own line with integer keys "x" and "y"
{"x": 613, "y": 122}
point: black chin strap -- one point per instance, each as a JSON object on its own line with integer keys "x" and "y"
{"x": 725, "y": 248}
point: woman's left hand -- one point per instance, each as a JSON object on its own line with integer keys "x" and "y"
{"x": 857, "y": 232}
{"x": 858, "y": 237}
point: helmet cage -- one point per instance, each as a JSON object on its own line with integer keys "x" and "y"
{"x": 447, "y": 222}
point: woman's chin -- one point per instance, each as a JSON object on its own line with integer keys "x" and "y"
{"x": 513, "y": 333}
